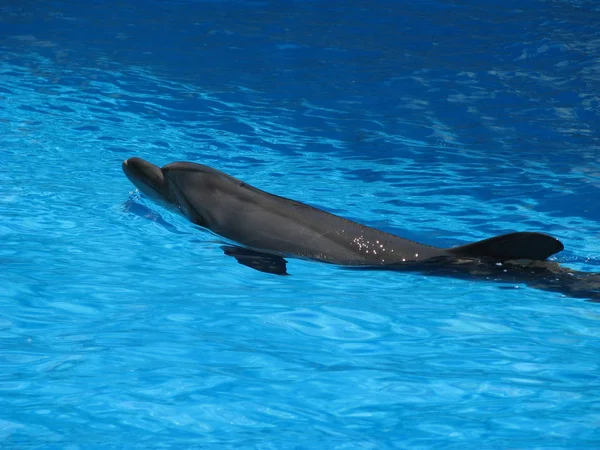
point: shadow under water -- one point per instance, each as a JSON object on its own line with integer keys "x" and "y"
{"x": 543, "y": 275}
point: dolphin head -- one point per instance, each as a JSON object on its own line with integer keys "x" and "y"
{"x": 149, "y": 179}
{"x": 194, "y": 190}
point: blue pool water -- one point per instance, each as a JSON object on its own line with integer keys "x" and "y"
{"x": 124, "y": 326}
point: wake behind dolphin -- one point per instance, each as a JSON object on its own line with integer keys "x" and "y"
{"x": 270, "y": 228}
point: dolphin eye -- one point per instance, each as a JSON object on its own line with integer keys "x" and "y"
{"x": 242, "y": 184}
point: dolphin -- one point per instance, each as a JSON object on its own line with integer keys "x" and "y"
{"x": 264, "y": 229}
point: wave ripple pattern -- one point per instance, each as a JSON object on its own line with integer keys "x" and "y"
{"x": 124, "y": 326}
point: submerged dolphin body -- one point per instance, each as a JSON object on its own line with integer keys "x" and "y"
{"x": 269, "y": 228}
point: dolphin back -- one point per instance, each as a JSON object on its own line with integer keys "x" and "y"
{"x": 512, "y": 246}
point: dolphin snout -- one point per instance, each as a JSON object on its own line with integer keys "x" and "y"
{"x": 147, "y": 177}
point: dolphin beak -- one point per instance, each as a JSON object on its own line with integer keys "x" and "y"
{"x": 147, "y": 177}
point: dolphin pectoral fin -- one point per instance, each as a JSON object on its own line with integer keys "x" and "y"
{"x": 522, "y": 245}
{"x": 263, "y": 262}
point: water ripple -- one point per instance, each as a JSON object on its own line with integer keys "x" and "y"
{"x": 122, "y": 325}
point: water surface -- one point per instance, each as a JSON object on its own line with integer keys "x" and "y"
{"x": 124, "y": 326}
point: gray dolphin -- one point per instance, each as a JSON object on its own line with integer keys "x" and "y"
{"x": 269, "y": 228}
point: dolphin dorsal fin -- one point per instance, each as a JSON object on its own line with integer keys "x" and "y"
{"x": 522, "y": 245}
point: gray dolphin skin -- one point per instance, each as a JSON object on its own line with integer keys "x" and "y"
{"x": 269, "y": 228}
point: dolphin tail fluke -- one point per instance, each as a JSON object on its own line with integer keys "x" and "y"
{"x": 523, "y": 245}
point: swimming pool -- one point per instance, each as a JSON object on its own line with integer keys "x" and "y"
{"x": 124, "y": 326}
